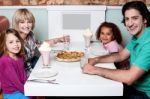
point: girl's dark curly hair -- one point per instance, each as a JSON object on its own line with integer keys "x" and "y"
{"x": 115, "y": 30}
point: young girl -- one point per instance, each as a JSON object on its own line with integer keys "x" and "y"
{"x": 110, "y": 35}
{"x": 24, "y": 22}
{"x": 12, "y": 73}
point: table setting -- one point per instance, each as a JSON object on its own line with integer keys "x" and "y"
{"x": 65, "y": 78}
{"x": 64, "y": 52}
{"x": 44, "y": 75}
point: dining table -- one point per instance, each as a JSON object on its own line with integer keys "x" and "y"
{"x": 67, "y": 78}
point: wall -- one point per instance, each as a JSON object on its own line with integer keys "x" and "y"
{"x": 74, "y": 20}
{"x": 114, "y": 14}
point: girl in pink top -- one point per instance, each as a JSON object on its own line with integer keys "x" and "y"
{"x": 110, "y": 35}
{"x": 12, "y": 72}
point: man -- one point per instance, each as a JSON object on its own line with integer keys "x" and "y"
{"x": 136, "y": 18}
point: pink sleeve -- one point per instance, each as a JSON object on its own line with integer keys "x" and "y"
{"x": 13, "y": 78}
{"x": 113, "y": 47}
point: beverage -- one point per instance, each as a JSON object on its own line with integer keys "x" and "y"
{"x": 87, "y": 37}
{"x": 45, "y": 53}
{"x": 84, "y": 59}
{"x": 45, "y": 58}
{"x": 66, "y": 41}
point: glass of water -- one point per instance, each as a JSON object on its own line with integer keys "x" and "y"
{"x": 66, "y": 41}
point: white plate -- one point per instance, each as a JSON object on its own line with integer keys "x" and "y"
{"x": 44, "y": 73}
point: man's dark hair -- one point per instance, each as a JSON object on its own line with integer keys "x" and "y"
{"x": 140, "y": 6}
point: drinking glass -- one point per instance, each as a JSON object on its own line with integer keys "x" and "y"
{"x": 84, "y": 59}
{"x": 46, "y": 58}
{"x": 66, "y": 41}
{"x": 87, "y": 40}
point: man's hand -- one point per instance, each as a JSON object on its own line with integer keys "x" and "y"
{"x": 89, "y": 69}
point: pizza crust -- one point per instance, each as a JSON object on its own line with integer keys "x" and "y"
{"x": 69, "y": 56}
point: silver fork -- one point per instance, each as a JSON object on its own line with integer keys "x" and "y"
{"x": 44, "y": 81}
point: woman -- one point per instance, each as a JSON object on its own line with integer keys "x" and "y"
{"x": 24, "y": 22}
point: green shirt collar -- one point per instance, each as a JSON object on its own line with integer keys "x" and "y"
{"x": 144, "y": 35}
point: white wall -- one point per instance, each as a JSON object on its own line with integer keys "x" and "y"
{"x": 76, "y": 23}
{"x": 114, "y": 14}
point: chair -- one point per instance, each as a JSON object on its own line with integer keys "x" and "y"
{"x": 4, "y": 23}
{"x": 1, "y": 95}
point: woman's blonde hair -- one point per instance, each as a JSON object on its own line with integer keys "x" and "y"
{"x": 21, "y": 15}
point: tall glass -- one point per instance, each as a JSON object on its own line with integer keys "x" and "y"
{"x": 87, "y": 39}
{"x": 46, "y": 58}
{"x": 45, "y": 51}
{"x": 84, "y": 59}
{"x": 66, "y": 41}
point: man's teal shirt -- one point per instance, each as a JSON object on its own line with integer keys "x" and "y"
{"x": 139, "y": 49}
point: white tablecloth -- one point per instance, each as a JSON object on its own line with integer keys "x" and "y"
{"x": 72, "y": 82}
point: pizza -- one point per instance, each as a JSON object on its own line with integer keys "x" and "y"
{"x": 69, "y": 56}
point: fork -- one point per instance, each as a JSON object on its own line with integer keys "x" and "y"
{"x": 44, "y": 81}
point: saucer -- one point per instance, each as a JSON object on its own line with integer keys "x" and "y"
{"x": 44, "y": 73}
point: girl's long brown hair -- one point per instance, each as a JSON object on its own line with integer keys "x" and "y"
{"x": 3, "y": 43}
